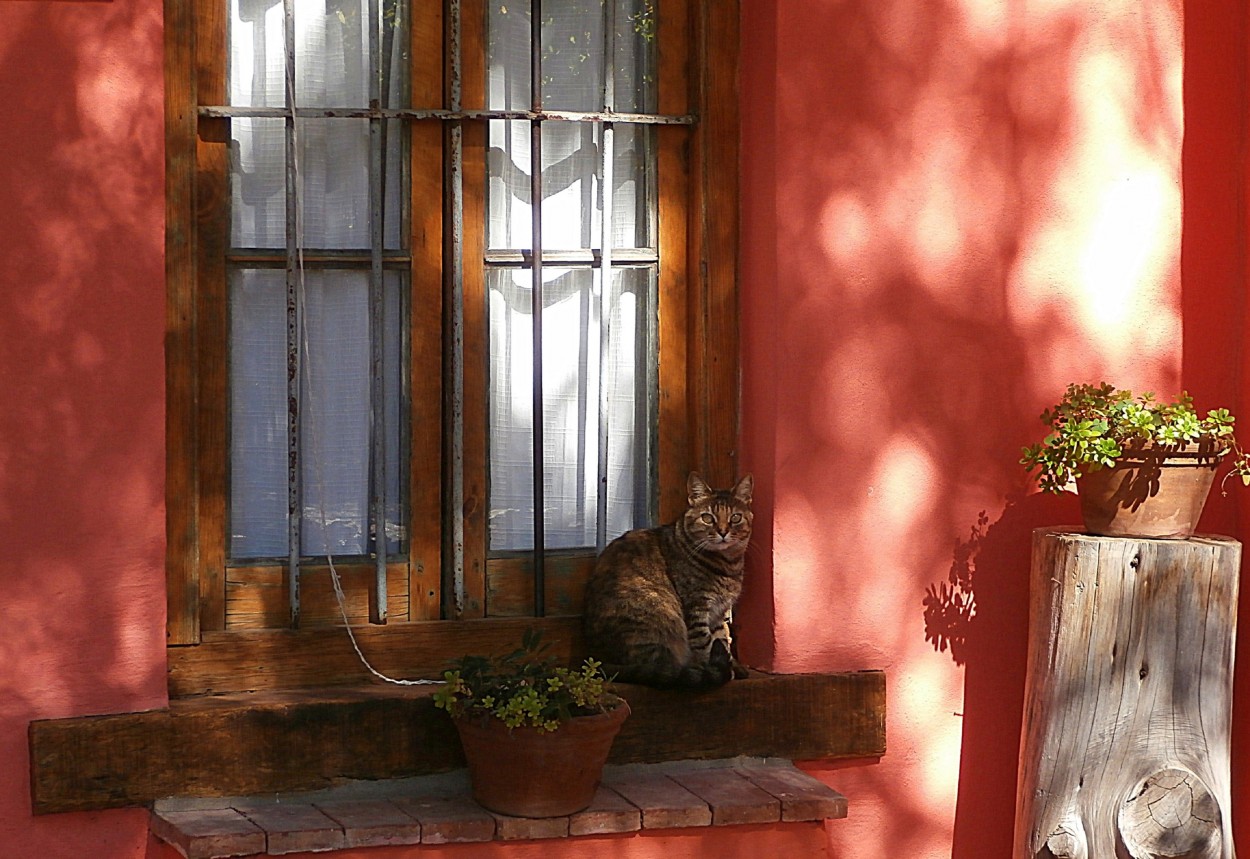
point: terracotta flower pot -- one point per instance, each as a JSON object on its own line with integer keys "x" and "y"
{"x": 1150, "y": 492}
{"x": 525, "y": 772}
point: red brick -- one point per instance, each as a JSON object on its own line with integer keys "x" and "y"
{"x": 802, "y": 796}
{"x": 294, "y": 827}
{"x": 209, "y": 834}
{"x": 732, "y": 798}
{"x": 372, "y": 822}
{"x": 449, "y": 820}
{"x": 664, "y": 803}
{"x": 508, "y": 828}
{"x": 608, "y": 812}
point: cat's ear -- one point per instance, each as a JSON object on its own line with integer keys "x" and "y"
{"x": 744, "y": 488}
{"x": 697, "y": 491}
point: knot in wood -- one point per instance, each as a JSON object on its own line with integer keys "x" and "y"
{"x": 1171, "y": 815}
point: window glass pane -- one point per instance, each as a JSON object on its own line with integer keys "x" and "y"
{"x": 573, "y": 49}
{"x": 573, "y": 58}
{"x": 572, "y": 202}
{"x": 257, "y": 57}
{"x": 508, "y": 57}
{"x": 258, "y": 183}
{"x": 631, "y": 392}
{"x": 334, "y": 183}
{"x": 258, "y": 415}
{"x": 572, "y": 356}
{"x": 331, "y": 53}
{"x": 335, "y": 413}
{"x": 633, "y": 187}
{"x": 573, "y": 55}
{"x": 332, "y": 70}
{"x": 633, "y": 57}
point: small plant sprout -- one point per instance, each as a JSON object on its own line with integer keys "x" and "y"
{"x": 524, "y": 688}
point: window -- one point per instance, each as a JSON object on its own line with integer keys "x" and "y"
{"x": 367, "y": 310}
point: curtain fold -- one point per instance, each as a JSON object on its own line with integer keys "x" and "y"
{"x": 332, "y": 160}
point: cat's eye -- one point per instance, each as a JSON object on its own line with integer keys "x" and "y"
{"x": 735, "y": 519}
{"x": 707, "y": 519}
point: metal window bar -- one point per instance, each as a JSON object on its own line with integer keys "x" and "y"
{"x": 451, "y": 115}
{"x": 606, "y": 155}
{"x": 377, "y": 434}
{"x": 456, "y": 181}
{"x": 536, "y": 297}
{"x": 294, "y": 323}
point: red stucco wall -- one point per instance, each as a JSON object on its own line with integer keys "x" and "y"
{"x": 950, "y": 210}
{"x": 82, "y": 601}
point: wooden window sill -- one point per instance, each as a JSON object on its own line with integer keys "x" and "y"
{"x": 438, "y": 810}
{"x": 245, "y": 744}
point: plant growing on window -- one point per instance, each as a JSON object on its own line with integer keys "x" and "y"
{"x": 1094, "y": 425}
{"x": 524, "y": 688}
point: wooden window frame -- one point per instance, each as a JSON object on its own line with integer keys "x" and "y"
{"x": 698, "y": 358}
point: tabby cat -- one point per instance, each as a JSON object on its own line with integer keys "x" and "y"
{"x": 658, "y": 602}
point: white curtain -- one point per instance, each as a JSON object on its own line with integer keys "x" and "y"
{"x": 332, "y": 68}
{"x": 335, "y": 418}
{"x": 572, "y": 215}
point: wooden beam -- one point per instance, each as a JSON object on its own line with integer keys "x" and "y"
{"x": 260, "y": 660}
{"x": 303, "y": 740}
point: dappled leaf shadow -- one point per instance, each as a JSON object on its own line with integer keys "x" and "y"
{"x": 950, "y": 606}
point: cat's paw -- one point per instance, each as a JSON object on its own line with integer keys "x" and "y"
{"x": 719, "y": 664}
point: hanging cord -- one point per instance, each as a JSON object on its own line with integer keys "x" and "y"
{"x": 318, "y": 460}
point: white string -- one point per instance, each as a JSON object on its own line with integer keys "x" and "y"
{"x": 318, "y": 462}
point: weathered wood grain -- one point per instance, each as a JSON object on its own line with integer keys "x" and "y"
{"x": 251, "y": 660}
{"x": 250, "y": 744}
{"x": 510, "y": 584}
{"x": 714, "y": 274}
{"x": 425, "y": 345}
{"x": 1125, "y": 744}
{"x": 257, "y": 598}
{"x": 183, "y": 585}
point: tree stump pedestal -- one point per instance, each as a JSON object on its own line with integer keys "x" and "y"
{"x": 1124, "y": 749}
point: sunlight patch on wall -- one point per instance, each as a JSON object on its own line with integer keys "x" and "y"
{"x": 986, "y": 21}
{"x": 903, "y": 488}
{"x": 1101, "y": 248}
{"x": 931, "y": 693}
{"x": 1128, "y": 232}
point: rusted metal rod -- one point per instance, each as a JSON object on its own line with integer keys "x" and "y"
{"x": 453, "y": 115}
{"x": 294, "y": 325}
{"x": 536, "y": 296}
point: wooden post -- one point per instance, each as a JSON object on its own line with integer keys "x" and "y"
{"x": 1125, "y": 744}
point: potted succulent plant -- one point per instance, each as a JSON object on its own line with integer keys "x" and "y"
{"x": 1143, "y": 467}
{"x": 536, "y": 735}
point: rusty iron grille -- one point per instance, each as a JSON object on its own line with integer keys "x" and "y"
{"x": 384, "y": 262}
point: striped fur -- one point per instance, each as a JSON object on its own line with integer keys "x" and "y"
{"x": 659, "y": 600}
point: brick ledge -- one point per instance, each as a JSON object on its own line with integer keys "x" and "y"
{"x": 438, "y": 810}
